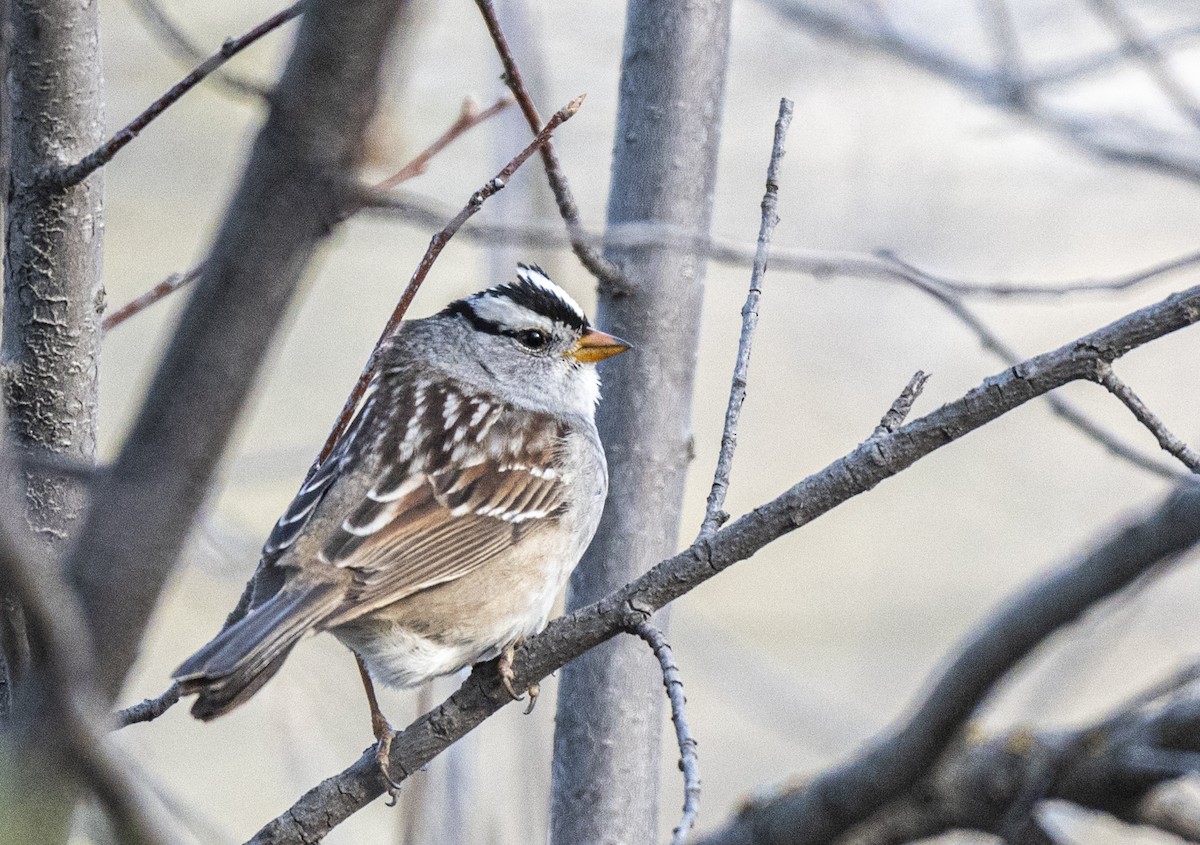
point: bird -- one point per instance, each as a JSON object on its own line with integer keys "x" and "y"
{"x": 446, "y": 520}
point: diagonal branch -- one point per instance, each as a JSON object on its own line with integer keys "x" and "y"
{"x": 714, "y": 514}
{"x": 177, "y": 42}
{"x": 468, "y": 119}
{"x": 608, "y": 274}
{"x": 89, "y": 164}
{"x": 1169, "y": 442}
{"x": 1111, "y": 138}
{"x": 1143, "y": 50}
{"x": 876, "y": 459}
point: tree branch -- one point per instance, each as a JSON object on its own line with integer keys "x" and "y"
{"x": 850, "y": 793}
{"x": 175, "y": 41}
{"x": 468, "y": 118}
{"x": 1145, "y": 51}
{"x": 1169, "y": 442}
{"x": 1111, "y": 138}
{"x": 876, "y": 459}
{"x": 688, "y": 762}
{"x": 89, "y": 164}
{"x": 714, "y": 514}
{"x": 608, "y": 274}
{"x": 293, "y": 190}
{"x": 884, "y": 266}
{"x": 898, "y": 413}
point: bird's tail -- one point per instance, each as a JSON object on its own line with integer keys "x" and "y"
{"x": 243, "y": 657}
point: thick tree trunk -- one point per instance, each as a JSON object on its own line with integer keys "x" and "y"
{"x": 610, "y": 706}
{"x": 53, "y": 297}
{"x": 53, "y": 293}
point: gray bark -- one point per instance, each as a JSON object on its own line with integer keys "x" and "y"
{"x": 53, "y": 297}
{"x": 610, "y": 706}
{"x": 53, "y": 293}
{"x": 292, "y": 193}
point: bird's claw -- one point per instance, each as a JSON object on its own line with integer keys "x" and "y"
{"x": 507, "y": 678}
{"x": 384, "y": 734}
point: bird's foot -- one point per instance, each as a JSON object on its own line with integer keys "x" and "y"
{"x": 384, "y": 734}
{"x": 507, "y": 677}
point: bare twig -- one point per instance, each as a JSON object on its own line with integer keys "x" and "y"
{"x": 1143, "y": 49}
{"x": 89, "y": 164}
{"x": 149, "y": 709}
{"x": 608, "y": 274}
{"x": 436, "y": 244}
{"x": 470, "y": 117}
{"x": 1074, "y": 70}
{"x": 1166, "y": 439}
{"x": 898, "y": 413}
{"x": 335, "y": 799}
{"x": 1112, "y": 138}
{"x": 688, "y": 762}
{"x": 1061, "y": 407}
{"x": 176, "y": 41}
{"x": 140, "y": 303}
{"x": 419, "y": 210}
{"x": 714, "y": 514}
{"x": 998, "y": 21}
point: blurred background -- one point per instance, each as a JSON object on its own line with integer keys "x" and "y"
{"x": 792, "y": 659}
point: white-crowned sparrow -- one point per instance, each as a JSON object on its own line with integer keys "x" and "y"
{"x": 439, "y": 531}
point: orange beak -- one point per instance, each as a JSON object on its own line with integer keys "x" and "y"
{"x": 596, "y": 345}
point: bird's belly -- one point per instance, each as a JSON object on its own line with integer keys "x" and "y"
{"x": 445, "y": 628}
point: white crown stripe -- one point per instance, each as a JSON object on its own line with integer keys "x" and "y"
{"x": 535, "y": 276}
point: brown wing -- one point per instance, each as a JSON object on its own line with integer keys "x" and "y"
{"x": 460, "y": 479}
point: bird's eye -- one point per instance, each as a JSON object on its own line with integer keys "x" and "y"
{"x": 532, "y": 338}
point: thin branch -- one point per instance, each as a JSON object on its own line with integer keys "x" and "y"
{"x": 894, "y": 763}
{"x": 1073, "y": 70}
{"x": 177, "y": 42}
{"x": 160, "y": 291}
{"x": 714, "y": 514}
{"x": 1115, "y": 139}
{"x": 1062, "y": 408}
{"x": 335, "y": 799}
{"x": 436, "y": 244}
{"x": 102, "y": 155}
{"x": 468, "y": 119}
{"x": 149, "y": 709}
{"x": 1166, "y": 439}
{"x": 608, "y": 274}
{"x": 419, "y": 210}
{"x": 898, "y": 413}
{"x": 1143, "y": 50}
{"x": 688, "y": 762}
